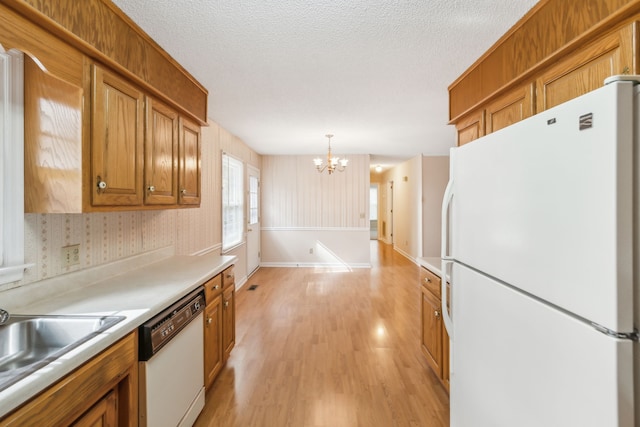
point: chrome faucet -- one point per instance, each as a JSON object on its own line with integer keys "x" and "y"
{"x": 4, "y": 316}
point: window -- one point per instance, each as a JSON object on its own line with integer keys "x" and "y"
{"x": 11, "y": 166}
{"x": 232, "y": 202}
{"x": 253, "y": 200}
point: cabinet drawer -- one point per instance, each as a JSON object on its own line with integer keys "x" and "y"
{"x": 212, "y": 288}
{"x": 430, "y": 281}
{"x": 228, "y": 277}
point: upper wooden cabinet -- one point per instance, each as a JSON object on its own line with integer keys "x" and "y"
{"x": 117, "y": 141}
{"x": 556, "y": 52}
{"x": 509, "y": 109}
{"x": 189, "y": 163}
{"x": 108, "y": 118}
{"x": 116, "y": 149}
{"x": 161, "y": 154}
{"x": 470, "y": 127}
{"x": 586, "y": 70}
{"x": 101, "y": 31}
{"x": 502, "y": 112}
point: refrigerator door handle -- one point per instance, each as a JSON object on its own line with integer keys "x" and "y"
{"x": 446, "y": 258}
{"x": 446, "y": 201}
{"x": 446, "y": 316}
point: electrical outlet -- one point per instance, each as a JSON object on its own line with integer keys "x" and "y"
{"x": 70, "y": 255}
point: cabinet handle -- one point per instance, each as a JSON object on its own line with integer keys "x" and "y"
{"x": 226, "y": 304}
{"x": 427, "y": 280}
{"x": 216, "y": 287}
{"x": 101, "y": 184}
{"x": 151, "y": 189}
{"x": 209, "y": 320}
{"x": 437, "y": 314}
{"x": 183, "y": 191}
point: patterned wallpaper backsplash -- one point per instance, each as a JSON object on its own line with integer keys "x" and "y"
{"x": 103, "y": 238}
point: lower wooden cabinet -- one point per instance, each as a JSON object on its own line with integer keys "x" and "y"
{"x": 219, "y": 323}
{"x": 212, "y": 340}
{"x": 102, "y": 392}
{"x": 435, "y": 340}
{"x": 102, "y": 414}
{"x": 228, "y": 320}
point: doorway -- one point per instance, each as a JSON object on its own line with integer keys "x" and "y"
{"x": 373, "y": 212}
{"x": 253, "y": 220}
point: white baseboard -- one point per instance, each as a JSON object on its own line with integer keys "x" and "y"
{"x": 313, "y": 265}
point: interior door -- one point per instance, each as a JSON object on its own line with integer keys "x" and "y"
{"x": 253, "y": 220}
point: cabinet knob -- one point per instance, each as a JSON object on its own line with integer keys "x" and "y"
{"x": 183, "y": 191}
{"x": 101, "y": 184}
{"x": 209, "y": 320}
{"x": 226, "y": 304}
{"x": 216, "y": 287}
{"x": 427, "y": 280}
{"x": 436, "y": 313}
{"x": 151, "y": 188}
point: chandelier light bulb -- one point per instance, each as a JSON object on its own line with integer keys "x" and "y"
{"x": 334, "y": 163}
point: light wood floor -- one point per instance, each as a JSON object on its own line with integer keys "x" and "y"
{"x": 322, "y": 347}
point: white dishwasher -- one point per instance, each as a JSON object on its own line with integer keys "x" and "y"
{"x": 171, "y": 373}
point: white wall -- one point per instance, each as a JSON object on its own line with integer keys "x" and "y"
{"x": 435, "y": 174}
{"x": 407, "y": 207}
{"x": 303, "y": 209}
{"x": 418, "y": 187}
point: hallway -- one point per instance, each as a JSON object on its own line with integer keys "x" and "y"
{"x": 321, "y": 347}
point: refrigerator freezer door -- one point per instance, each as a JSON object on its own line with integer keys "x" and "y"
{"x": 517, "y": 362}
{"x": 546, "y": 205}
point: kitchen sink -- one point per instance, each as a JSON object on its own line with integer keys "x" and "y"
{"x": 27, "y": 343}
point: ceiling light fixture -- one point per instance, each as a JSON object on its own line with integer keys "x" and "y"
{"x": 333, "y": 163}
{"x": 378, "y": 168}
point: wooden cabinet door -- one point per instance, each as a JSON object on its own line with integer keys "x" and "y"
{"x": 228, "y": 320}
{"x": 228, "y": 277}
{"x": 509, "y": 109}
{"x": 117, "y": 110}
{"x": 189, "y": 180}
{"x": 161, "y": 154}
{"x": 432, "y": 330}
{"x": 470, "y": 128}
{"x": 212, "y": 340}
{"x": 102, "y": 414}
{"x": 445, "y": 357}
{"x": 586, "y": 69}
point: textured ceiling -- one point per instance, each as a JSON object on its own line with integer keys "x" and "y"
{"x": 282, "y": 74}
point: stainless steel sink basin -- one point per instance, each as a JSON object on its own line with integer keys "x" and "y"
{"x": 27, "y": 343}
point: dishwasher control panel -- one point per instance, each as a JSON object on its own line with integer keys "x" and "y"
{"x": 158, "y": 331}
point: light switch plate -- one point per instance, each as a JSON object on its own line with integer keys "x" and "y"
{"x": 70, "y": 255}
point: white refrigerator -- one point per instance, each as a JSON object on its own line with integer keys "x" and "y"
{"x": 541, "y": 247}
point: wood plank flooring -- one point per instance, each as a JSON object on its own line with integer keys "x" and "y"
{"x": 329, "y": 347}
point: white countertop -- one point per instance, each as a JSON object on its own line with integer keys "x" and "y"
{"x": 432, "y": 264}
{"x": 138, "y": 294}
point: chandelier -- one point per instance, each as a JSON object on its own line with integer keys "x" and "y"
{"x": 333, "y": 163}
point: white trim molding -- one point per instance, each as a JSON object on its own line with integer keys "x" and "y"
{"x": 12, "y": 264}
{"x": 314, "y": 229}
{"x": 315, "y": 247}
